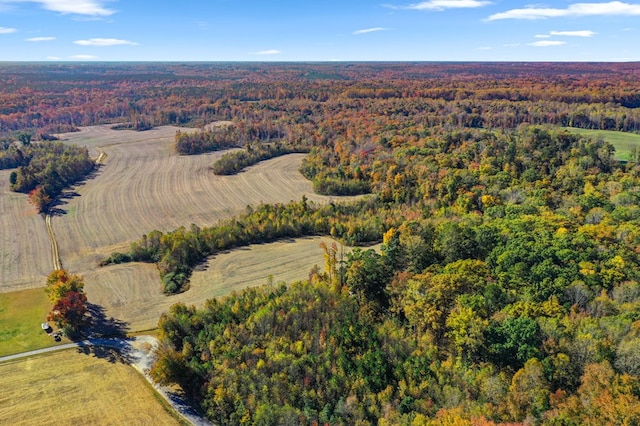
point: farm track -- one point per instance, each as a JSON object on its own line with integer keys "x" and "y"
{"x": 101, "y": 157}
{"x": 55, "y": 254}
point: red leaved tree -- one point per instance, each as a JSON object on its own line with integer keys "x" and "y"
{"x": 69, "y": 312}
{"x": 39, "y": 198}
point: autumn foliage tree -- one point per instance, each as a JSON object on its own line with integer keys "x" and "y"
{"x": 66, "y": 292}
{"x": 39, "y": 198}
{"x": 45, "y": 169}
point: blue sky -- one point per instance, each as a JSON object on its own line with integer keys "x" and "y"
{"x": 319, "y": 30}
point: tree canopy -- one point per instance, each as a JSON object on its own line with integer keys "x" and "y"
{"x": 506, "y": 287}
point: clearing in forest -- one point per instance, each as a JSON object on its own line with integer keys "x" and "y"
{"x": 144, "y": 185}
{"x": 623, "y": 142}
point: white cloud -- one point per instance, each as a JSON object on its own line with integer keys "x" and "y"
{"x": 83, "y": 57}
{"x": 444, "y": 4}
{"x": 582, "y": 33}
{"x": 542, "y": 36}
{"x": 78, "y": 7}
{"x": 105, "y": 42}
{"x": 267, "y": 52}
{"x": 53, "y": 58}
{"x": 369, "y": 30}
{"x": 40, "y": 39}
{"x": 5, "y": 30}
{"x": 574, "y": 10}
{"x": 547, "y": 43}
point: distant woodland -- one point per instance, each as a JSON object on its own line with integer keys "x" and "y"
{"x": 507, "y": 285}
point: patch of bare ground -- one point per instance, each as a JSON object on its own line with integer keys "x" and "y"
{"x": 219, "y": 123}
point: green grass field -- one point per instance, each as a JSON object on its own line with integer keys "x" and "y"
{"x": 21, "y": 313}
{"x": 621, "y": 141}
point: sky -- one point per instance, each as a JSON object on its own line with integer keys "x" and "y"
{"x": 319, "y": 30}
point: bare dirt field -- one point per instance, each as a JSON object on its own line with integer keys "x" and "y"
{"x": 70, "y": 388}
{"x": 142, "y": 185}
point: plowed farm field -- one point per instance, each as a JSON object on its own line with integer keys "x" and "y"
{"x": 25, "y": 249}
{"x": 142, "y": 185}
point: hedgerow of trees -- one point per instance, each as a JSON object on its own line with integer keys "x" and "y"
{"x": 235, "y": 161}
{"x": 44, "y": 169}
{"x": 176, "y": 253}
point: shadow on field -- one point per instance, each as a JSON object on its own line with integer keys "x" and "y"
{"x": 108, "y": 337}
{"x": 95, "y": 172}
{"x": 114, "y": 352}
{"x": 70, "y": 193}
{"x": 57, "y": 208}
{"x": 103, "y": 327}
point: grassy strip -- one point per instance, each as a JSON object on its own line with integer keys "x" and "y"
{"x": 167, "y": 407}
{"x": 623, "y": 142}
{"x": 21, "y": 313}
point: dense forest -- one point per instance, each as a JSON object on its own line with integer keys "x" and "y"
{"x": 507, "y": 285}
{"x": 506, "y": 290}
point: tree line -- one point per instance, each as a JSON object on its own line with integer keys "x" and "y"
{"x": 176, "y": 253}
{"x": 45, "y": 169}
{"x": 235, "y": 161}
